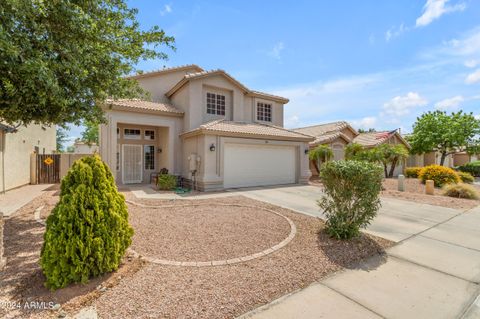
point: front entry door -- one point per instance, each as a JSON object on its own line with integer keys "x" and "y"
{"x": 132, "y": 166}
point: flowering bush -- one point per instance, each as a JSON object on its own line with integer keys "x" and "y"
{"x": 412, "y": 172}
{"x": 440, "y": 175}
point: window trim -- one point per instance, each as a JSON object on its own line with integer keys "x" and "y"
{"x": 219, "y": 108}
{"x": 145, "y": 158}
{"x": 132, "y": 137}
{"x": 264, "y": 104}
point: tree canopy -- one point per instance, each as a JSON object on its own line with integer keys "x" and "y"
{"x": 90, "y": 134}
{"x": 61, "y": 59}
{"x": 446, "y": 133}
{"x": 62, "y": 137}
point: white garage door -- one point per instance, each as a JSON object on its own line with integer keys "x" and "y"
{"x": 258, "y": 165}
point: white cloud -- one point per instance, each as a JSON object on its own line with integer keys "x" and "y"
{"x": 276, "y": 51}
{"x": 471, "y": 63}
{"x": 449, "y": 104}
{"x": 401, "y": 105}
{"x": 473, "y": 77}
{"x": 395, "y": 32}
{"x": 434, "y": 9}
{"x": 166, "y": 9}
{"x": 365, "y": 123}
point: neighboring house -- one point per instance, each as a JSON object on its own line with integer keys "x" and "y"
{"x": 80, "y": 147}
{"x": 205, "y": 126}
{"x": 16, "y": 147}
{"x": 462, "y": 158}
{"x": 336, "y": 135}
{"x": 372, "y": 139}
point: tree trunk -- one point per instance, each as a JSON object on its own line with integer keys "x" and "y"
{"x": 385, "y": 170}
{"x": 316, "y": 166}
{"x": 392, "y": 167}
{"x": 442, "y": 159}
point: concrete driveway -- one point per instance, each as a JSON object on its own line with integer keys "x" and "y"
{"x": 432, "y": 272}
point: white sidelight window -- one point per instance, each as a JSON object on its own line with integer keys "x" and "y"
{"x": 215, "y": 104}
{"x": 264, "y": 112}
{"x": 149, "y": 157}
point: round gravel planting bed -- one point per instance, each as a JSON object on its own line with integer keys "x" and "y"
{"x": 207, "y": 234}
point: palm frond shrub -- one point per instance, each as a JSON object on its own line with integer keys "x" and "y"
{"x": 87, "y": 232}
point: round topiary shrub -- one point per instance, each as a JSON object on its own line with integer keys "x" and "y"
{"x": 351, "y": 197}
{"x": 87, "y": 232}
{"x": 412, "y": 172}
{"x": 466, "y": 177}
{"x": 440, "y": 175}
{"x": 460, "y": 191}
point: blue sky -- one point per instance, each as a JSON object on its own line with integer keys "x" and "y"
{"x": 374, "y": 63}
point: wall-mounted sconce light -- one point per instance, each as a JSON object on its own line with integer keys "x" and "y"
{"x": 306, "y": 151}
{"x": 212, "y": 148}
{"x": 159, "y": 150}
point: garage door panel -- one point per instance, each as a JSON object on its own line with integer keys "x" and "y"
{"x": 258, "y": 165}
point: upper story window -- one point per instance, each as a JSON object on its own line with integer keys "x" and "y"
{"x": 264, "y": 112}
{"x": 215, "y": 104}
{"x": 149, "y": 134}
{"x": 131, "y": 134}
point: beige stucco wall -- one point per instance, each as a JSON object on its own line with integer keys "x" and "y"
{"x": 167, "y": 137}
{"x": 191, "y": 99}
{"x": 158, "y": 85}
{"x": 84, "y": 148}
{"x": 210, "y": 172}
{"x": 17, "y": 150}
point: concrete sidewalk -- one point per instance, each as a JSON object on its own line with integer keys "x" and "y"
{"x": 16, "y": 198}
{"x": 433, "y": 271}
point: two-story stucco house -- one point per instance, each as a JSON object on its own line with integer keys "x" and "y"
{"x": 205, "y": 126}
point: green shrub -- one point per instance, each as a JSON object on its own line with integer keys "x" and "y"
{"x": 166, "y": 182}
{"x": 87, "y": 232}
{"x": 351, "y": 197}
{"x": 440, "y": 175}
{"x": 460, "y": 191}
{"x": 466, "y": 177}
{"x": 412, "y": 172}
{"x": 473, "y": 168}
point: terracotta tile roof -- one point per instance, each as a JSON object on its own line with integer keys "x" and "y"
{"x": 321, "y": 129}
{"x": 329, "y": 137}
{"x": 250, "y": 129}
{"x": 203, "y": 73}
{"x": 165, "y": 70}
{"x": 371, "y": 139}
{"x": 145, "y": 105}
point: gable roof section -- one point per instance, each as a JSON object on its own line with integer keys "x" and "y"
{"x": 372, "y": 139}
{"x": 330, "y": 137}
{"x": 192, "y": 67}
{"x": 144, "y": 106}
{"x": 251, "y": 130}
{"x": 320, "y": 129}
{"x": 203, "y": 74}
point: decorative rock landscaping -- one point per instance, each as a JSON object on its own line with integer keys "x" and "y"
{"x": 208, "y": 211}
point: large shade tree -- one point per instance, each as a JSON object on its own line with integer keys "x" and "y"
{"x": 61, "y": 59}
{"x": 446, "y": 133}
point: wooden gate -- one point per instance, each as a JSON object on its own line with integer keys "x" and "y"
{"x": 48, "y": 168}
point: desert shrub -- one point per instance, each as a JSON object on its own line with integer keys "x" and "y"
{"x": 440, "y": 175}
{"x": 412, "y": 172}
{"x": 460, "y": 191}
{"x": 473, "y": 168}
{"x": 87, "y": 232}
{"x": 351, "y": 197}
{"x": 166, "y": 182}
{"x": 466, "y": 177}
